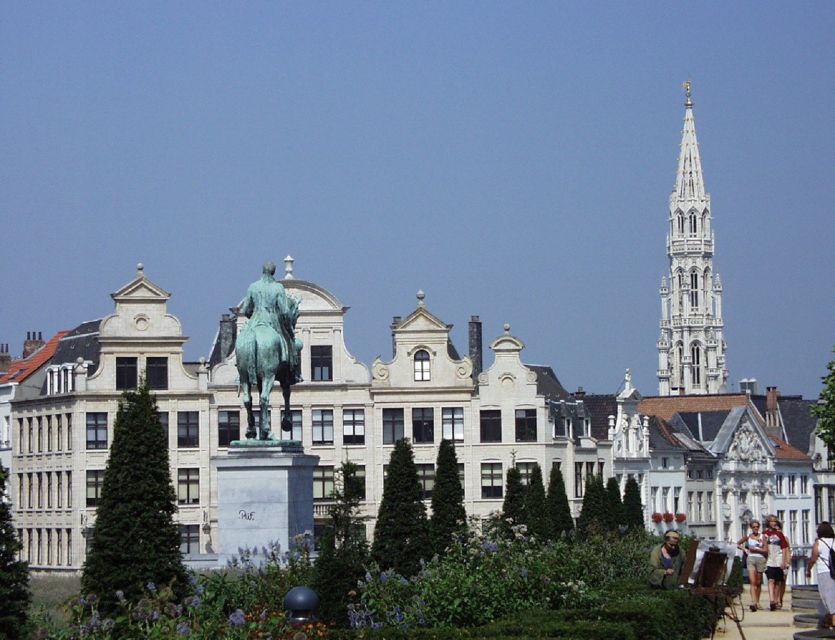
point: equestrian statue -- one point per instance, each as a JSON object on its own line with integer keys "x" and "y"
{"x": 267, "y": 350}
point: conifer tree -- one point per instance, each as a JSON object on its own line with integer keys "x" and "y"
{"x": 344, "y": 550}
{"x": 14, "y": 574}
{"x": 593, "y": 518}
{"x": 535, "y": 505}
{"x": 559, "y": 511}
{"x": 135, "y": 540}
{"x": 401, "y": 535}
{"x": 513, "y": 508}
{"x": 633, "y": 510}
{"x": 448, "y": 513}
{"x": 614, "y": 506}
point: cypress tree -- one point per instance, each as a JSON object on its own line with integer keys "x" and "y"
{"x": 535, "y": 505}
{"x": 513, "y": 508}
{"x": 633, "y": 510}
{"x": 344, "y": 551}
{"x": 593, "y": 518}
{"x": 401, "y": 535}
{"x": 559, "y": 511}
{"x": 14, "y": 575}
{"x": 136, "y": 540}
{"x": 614, "y": 506}
{"x": 448, "y": 514}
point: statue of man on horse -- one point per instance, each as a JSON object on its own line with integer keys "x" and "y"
{"x": 267, "y": 349}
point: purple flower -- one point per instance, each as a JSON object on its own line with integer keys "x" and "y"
{"x": 237, "y": 618}
{"x": 200, "y": 589}
{"x": 155, "y": 616}
{"x": 151, "y": 587}
{"x": 120, "y": 595}
{"x": 108, "y": 624}
{"x": 193, "y": 602}
{"x": 183, "y": 629}
{"x": 92, "y": 598}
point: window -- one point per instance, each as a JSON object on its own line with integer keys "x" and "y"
{"x": 323, "y": 483}
{"x": 792, "y": 484}
{"x": 59, "y": 489}
{"x": 69, "y": 432}
{"x": 590, "y": 468}
{"x": 40, "y": 434}
{"x": 694, "y": 290}
{"x": 228, "y": 427}
{"x": 59, "y": 547}
{"x": 491, "y": 425}
{"x": 664, "y": 462}
{"x": 189, "y": 539}
{"x": 97, "y": 430}
{"x": 69, "y": 489}
{"x": 461, "y": 478}
{"x": 692, "y": 224}
{"x": 322, "y": 426}
{"x": 163, "y": 422}
{"x": 321, "y": 362}
{"x": 525, "y": 470}
{"x": 94, "y": 484}
{"x": 49, "y": 490}
{"x": 156, "y": 370}
{"x": 526, "y": 425}
{"x": 696, "y": 355}
{"x": 779, "y": 488}
{"x": 690, "y": 505}
{"x": 59, "y": 429}
{"x": 49, "y": 433}
{"x": 491, "y": 480}
{"x": 804, "y": 527}
{"x": 792, "y": 525}
{"x": 426, "y": 477}
{"x": 453, "y": 423}
{"x": 392, "y": 425}
{"x": 39, "y": 490}
{"x": 578, "y": 479}
{"x": 295, "y": 419}
{"x": 676, "y": 499}
{"x": 188, "y": 429}
{"x": 781, "y": 516}
{"x": 30, "y": 488}
{"x": 353, "y": 426}
{"x": 126, "y": 373}
{"x": 709, "y": 506}
{"x": 804, "y": 485}
{"x": 188, "y": 486}
{"x": 31, "y": 437}
{"x": 423, "y": 424}
{"x": 422, "y": 370}
{"x": 69, "y": 547}
{"x": 360, "y": 476}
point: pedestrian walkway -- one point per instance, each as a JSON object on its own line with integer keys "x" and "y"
{"x": 762, "y": 624}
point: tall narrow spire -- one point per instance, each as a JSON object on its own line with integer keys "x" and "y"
{"x": 691, "y": 348}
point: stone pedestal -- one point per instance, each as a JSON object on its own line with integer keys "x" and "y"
{"x": 265, "y": 494}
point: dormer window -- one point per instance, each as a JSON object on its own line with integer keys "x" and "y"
{"x": 422, "y": 370}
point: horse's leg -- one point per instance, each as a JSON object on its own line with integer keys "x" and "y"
{"x": 250, "y": 419}
{"x": 266, "y": 389}
{"x": 287, "y": 420}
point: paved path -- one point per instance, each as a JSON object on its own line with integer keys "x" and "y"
{"x": 762, "y": 624}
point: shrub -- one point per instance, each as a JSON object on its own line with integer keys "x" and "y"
{"x": 14, "y": 574}
{"x": 448, "y": 513}
{"x": 561, "y": 523}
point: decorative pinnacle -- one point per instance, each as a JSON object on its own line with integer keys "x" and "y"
{"x": 140, "y": 270}
{"x": 288, "y": 267}
{"x": 421, "y": 296}
{"x": 687, "y": 86}
{"x": 507, "y": 328}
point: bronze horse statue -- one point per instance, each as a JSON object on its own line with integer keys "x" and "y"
{"x": 267, "y": 349}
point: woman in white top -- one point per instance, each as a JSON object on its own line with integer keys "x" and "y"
{"x": 820, "y": 556}
{"x": 754, "y": 544}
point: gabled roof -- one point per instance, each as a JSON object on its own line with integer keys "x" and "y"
{"x": 667, "y": 406}
{"x": 599, "y": 408}
{"x": 798, "y": 420}
{"x": 784, "y": 451}
{"x": 547, "y": 383}
{"x": 661, "y": 436}
{"x": 81, "y": 342}
{"x": 709, "y": 421}
{"x": 20, "y": 370}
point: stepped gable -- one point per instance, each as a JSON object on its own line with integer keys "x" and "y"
{"x": 20, "y": 370}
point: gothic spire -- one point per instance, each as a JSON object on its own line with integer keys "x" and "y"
{"x": 689, "y": 180}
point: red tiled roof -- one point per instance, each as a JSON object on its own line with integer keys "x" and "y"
{"x": 787, "y": 452}
{"x": 667, "y": 406}
{"x": 22, "y": 369}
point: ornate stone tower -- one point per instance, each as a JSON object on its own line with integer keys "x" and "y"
{"x": 691, "y": 348}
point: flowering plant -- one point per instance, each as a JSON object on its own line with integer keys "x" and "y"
{"x": 657, "y": 517}
{"x": 668, "y": 517}
{"x": 681, "y": 517}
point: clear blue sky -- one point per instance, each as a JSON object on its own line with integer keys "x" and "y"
{"x": 513, "y": 160}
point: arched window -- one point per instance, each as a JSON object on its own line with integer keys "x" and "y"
{"x": 694, "y": 290}
{"x": 422, "y": 371}
{"x": 696, "y": 357}
{"x": 680, "y": 364}
{"x": 693, "y": 223}
{"x": 680, "y": 222}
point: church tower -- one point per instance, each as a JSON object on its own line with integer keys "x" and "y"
{"x": 691, "y": 348}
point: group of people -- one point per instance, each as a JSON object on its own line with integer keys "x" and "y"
{"x": 768, "y": 553}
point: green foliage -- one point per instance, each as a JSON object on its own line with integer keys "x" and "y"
{"x": 535, "y": 508}
{"x": 136, "y": 540}
{"x": 344, "y": 552}
{"x": 513, "y": 507}
{"x": 559, "y": 512}
{"x": 448, "y": 514}
{"x": 401, "y": 535}
{"x": 14, "y": 575}
{"x": 824, "y": 410}
{"x": 594, "y": 519}
{"x": 633, "y": 510}
{"x": 735, "y": 580}
{"x": 614, "y": 506}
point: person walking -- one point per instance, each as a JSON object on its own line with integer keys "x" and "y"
{"x": 777, "y": 561}
{"x": 754, "y": 545}
{"x": 820, "y": 557}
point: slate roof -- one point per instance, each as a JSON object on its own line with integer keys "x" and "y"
{"x": 20, "y": 370}
{"x": 799, "y": 422}
{"x": 661, "y": 436}
{"x": 547, "y": 383}
{"x": 599, "y": 408}
{"x": 667, "y": 406}
{"x": 81, "y": 342}
{"x": 712, "y": 422}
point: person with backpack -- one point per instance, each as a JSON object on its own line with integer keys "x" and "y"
{"x": 779, "y": 560}
{"x": 754, "y": 546}
{"x": 824, "y": 556}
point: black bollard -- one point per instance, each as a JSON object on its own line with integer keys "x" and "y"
{"x": 301, "y": 604}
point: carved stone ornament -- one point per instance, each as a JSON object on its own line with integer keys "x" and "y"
{"x": 745, "y": 446}
{"x": 381, "y": 371}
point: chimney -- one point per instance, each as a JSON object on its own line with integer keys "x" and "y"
{"x": 33, "y": 342}
{"x": 5, "y": 358}
{"x": 580, "y": 393}
{"x": 395, "y": 322}
{"x": 772, "y": 409}
{"x": 476, "y": 346}
{"x": 228, "y": 333}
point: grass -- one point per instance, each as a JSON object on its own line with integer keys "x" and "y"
{"x": 49, "y": 594}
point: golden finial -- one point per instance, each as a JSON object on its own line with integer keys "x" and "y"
{"x": 686, "y": 85}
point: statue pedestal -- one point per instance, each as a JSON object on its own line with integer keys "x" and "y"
{"x": 265, "y": 494}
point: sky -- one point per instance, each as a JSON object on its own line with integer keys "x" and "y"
{"x": 513, "y": 160}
